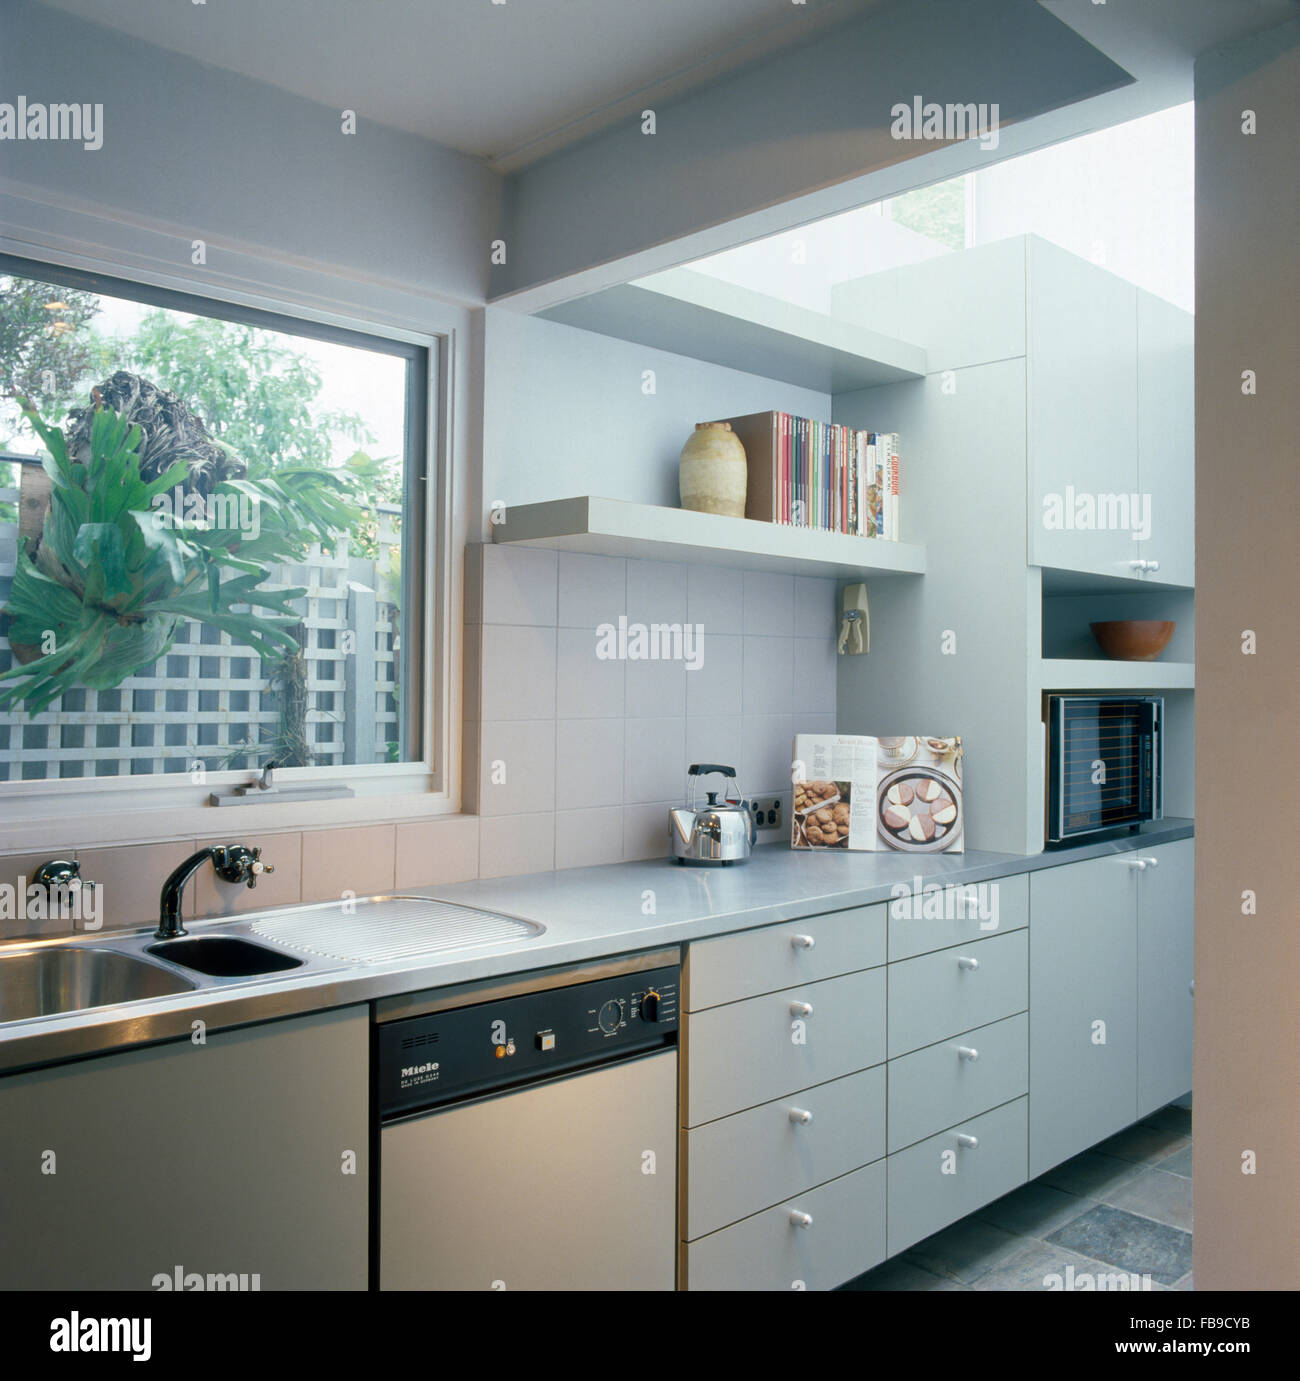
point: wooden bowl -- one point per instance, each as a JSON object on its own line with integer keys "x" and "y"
{"x": 1133, "y": 640}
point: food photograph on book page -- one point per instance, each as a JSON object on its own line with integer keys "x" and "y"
{"x": 856, "y": 792}
{"x": 918, "y": 794}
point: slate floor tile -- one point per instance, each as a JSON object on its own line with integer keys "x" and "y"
{"x": 1180, "y": 1163}
{"x": 1091, "y": 1174}
{"x": 1036, "y": 1266}
{"x": 1034, "y": 1210}
{"x": 901, "y": 1274}
{"x": 1156, "y": 1194}
{"x": 1143, "y": 1143}
{"x": 964, "y": 1251}
{"x": 1133, "y": 1243}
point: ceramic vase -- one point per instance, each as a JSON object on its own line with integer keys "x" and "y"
{"x": 713, "y": 471}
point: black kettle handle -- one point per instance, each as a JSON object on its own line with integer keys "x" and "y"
{"x": 703, "y": 769}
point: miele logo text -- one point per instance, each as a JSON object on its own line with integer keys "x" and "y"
{"x": 431, "y": 1068}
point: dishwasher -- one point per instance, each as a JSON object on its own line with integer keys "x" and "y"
{"x": 527, "y": 1132}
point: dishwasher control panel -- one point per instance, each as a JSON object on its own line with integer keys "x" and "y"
{"x": 468, "y": 1051}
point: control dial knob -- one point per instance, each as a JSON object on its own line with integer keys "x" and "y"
{"x": 610, "y": 1016}
{"x": 650, "y": 1006}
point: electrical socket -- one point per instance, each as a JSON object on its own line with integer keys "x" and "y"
{"x": 767, "y": 811}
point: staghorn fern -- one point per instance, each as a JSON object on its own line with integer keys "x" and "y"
{"x": 114, "y": 575}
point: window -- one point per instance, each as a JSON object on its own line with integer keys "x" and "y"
{"x": 238, "y": 583}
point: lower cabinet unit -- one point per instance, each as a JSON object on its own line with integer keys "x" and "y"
{"x": 784, "y": 1147}
{"x": 813, "y": 1241}
{"x": 936, "y": 1087}
{"x": 950, "y": 1175}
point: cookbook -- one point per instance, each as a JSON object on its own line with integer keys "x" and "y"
{"x": 861, "y": 793}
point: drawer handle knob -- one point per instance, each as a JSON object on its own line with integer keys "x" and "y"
{"x": 802, "y": 942}
{"x": 968, "y": 1052}
{"x": 800, "y": 1220}
{"x": 801, "y": 1009}
{"x": 1191, "y": 987}
{"x": 1152, "y": 861}
{"x": 968, "y": 1141}
{"x": 1138, "y": 863}
{"x": 801, "y": 1117}
{"x": 1139, "y": 565}
{"x": 966, "y": 962}
{"x": 1153, "y": 565}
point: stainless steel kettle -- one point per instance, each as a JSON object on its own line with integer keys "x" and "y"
{"x": 720, "y": 832}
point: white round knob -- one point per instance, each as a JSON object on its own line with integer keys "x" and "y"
{"x": 801, "y": 1009}
{"x": 967, "y": 1052}
{"x": 801, "y": 1117}
{"x": 800, "y": 1220}
{"x": 802, "y": 942}
{"x": 1138, "y": 863}
{"x": 966, "y": 962}
{"x": 1191, "y": 987}
{"x": 1153, "y": 565}
{"x": 968, "y": 1141}
{"x": 1152, "y": 862}
{"x": 1138, "y": 565}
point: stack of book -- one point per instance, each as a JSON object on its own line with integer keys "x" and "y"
{"x": 822, "y": 475}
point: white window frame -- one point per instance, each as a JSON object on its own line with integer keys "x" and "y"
{"x": 89, "y": 811}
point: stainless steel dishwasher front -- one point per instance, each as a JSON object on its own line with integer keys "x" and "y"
{"x": 528, "y": 1140}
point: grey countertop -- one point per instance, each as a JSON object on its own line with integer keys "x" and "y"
{"x": 588, "y": 913}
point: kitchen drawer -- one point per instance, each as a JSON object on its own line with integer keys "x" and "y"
{"x": 771, "y": 1252}
{"x": 733, "y": 967}
{"x": 743, "y": 1163}
{"x": 957, "y": 915}
{"x": 937, "y": 995}
{"x": 936, "y": 1087}
{"x": 750, "y": 1052}
{"x": 923, "y": 1199}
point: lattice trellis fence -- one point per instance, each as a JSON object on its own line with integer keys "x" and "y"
{"x": 212, "y": 701}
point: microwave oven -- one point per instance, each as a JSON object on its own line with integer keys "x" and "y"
{"x": 1104, "y": 763}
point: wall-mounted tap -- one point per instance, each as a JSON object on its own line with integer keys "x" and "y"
{"x": 231, "y": 862}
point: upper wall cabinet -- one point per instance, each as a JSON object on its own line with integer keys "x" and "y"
{"x": 1109, "y": 423}
{"x": 1166, "y": 433}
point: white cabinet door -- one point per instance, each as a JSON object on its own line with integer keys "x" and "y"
{"x": 1082, "y": 414}
{"x": 1082, "y": 1006}
{"x": 1165, "y": 967}
{"x": 1166, "y": 468}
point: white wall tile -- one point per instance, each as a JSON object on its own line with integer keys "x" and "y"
{"x": 655, "y": 688}
{"x": 654, "y": 760}
{"x": 587, "y": 686}
{"x": 526, "y": 751}
{"x": 519, "y": 584}
{"x": 586, "y": 838}
{"x": 766, "y": 743}
{"x": 716, "y": 599}
{"x": 816, "y": 607}
{"x": 518, "y": 672}
{"x": 592, "y": 589}
{"x": 514, "y": 844}
{"x": 656, "y": 591}
{"x": 645, "y": 831}
{"x": 769, "y": 603}
{"x": 715, "y": 687}
{"x": 714, "y": 738}
{"x": 816, "y": 666}
{"x": 588, "y": 763}
{"x": 767, "y": 675}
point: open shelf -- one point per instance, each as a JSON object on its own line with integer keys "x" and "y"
{"x": 1094, "y": 673}
{"x": 689, "y": 313}
{"x": 612, "y": 527}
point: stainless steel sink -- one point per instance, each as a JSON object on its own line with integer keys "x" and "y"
{"x": 43, "y": 982}
{"x": 223, "y": 956}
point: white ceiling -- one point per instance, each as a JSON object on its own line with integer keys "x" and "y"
{"x": 508, "y": 82}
